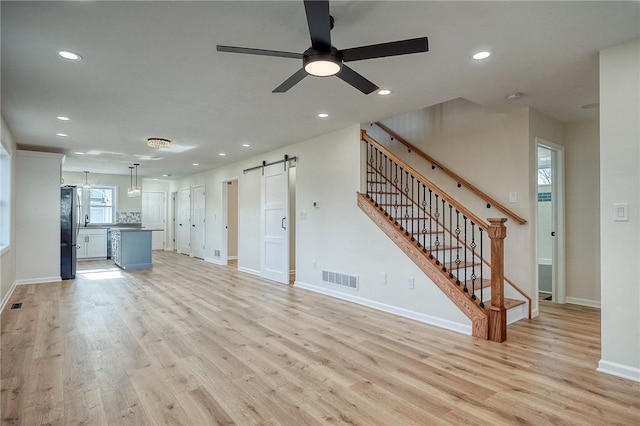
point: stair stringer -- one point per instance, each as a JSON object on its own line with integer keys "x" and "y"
{"x": 477, "y": 315}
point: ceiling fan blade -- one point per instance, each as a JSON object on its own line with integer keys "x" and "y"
{"x": 291, "y": 81}
{"x": 403, "y": 47}
{"x": 356, "y": 80}
{"x": 250, "y": 51}
{"x": 319, "y": 21}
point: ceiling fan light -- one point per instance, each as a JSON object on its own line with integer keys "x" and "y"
{"x": 322, "y": 65}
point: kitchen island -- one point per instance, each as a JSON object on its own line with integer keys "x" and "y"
{"x": 131, "y": 248}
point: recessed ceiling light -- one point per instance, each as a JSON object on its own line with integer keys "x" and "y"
{"x": 514, "y": 96}
{"x": 478, "y": 56}
{"x": 63, "y": 118}
{"x": 62, "y": 135}
{"x": 246, "y": 145}
{"x": 323, "y": 115}
{"x": 166, "y": 175}
{"x": 384, "y": 92}
{"x": 222, "y": 154}
{"x": 79, "y": 153}
{"x": 195, "y": 164}
{"x": 69, "y": 55}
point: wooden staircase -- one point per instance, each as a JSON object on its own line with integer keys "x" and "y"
{"x": 445, "y": 240}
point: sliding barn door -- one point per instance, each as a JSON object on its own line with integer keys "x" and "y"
{"x": 275, "y": 223}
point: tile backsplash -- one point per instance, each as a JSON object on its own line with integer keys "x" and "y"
{"x": 128, "y": 217}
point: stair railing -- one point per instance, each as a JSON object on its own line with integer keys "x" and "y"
{"x": 448, "y": 233}
{"x": 461, "y": 182}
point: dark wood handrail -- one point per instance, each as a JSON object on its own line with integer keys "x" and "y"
{"x": 452, "y": 174}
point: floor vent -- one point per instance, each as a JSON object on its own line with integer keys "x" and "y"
{"x": 216, "y": 253}
{"x": 16, "y": 306}
{"x": 344, "y": 280}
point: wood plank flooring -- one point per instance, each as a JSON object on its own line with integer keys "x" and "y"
{"x": 192, "y": 343}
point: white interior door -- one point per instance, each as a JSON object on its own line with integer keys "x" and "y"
{"x": 154, "y": 216}
{"x": 184, "y": 221}
{"x": 551, "y": 221}
{"x": 198, "y": 222}
{"x": 275, "y": 227}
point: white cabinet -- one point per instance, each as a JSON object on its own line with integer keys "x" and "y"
{"x": 92, "y": 243}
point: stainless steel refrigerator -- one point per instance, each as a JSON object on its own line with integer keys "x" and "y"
{"x": 68, "y": 232}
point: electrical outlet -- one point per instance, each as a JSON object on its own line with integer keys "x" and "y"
{"x": 411, "y": 282}
{"x": 383, "y": 278}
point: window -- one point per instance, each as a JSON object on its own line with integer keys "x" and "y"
{"x": 98, "y": 204}
{"x": 5, "y": 197}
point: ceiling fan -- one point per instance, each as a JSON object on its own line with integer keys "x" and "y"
{"x": 322, "y": 59}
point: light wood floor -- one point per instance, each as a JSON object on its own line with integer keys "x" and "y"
{"x": 192, "y": 343}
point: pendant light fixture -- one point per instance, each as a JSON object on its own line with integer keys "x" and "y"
{"x": 137, "y": 191}
{"x": 130, "y": 192}
{"x": 86, "y": 184}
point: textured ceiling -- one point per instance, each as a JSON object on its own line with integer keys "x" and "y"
{"x": 151, "y": 69}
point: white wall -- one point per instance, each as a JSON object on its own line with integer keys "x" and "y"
{"x": 475, "y": 142}
{"x": 582, "y": 210}
{"x": 338, "y": 236}
{"x": 620, "y": 183}
{"x": 38, "y": 224}
{"x": 8, "y": 256}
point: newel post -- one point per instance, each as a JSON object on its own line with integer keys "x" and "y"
{"x": 497, "y": 312}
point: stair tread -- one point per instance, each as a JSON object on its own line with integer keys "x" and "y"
{"x": 512, "y": 303}
{"x": 442, "y": 247}
{"x": 462, "y": 265}
{"x": 427, "y": 232}
{"x": 486, "y": 283}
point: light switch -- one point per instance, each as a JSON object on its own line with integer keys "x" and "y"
{"x": 513, "y": 197}
{"x": 620, "y": 212}
{"x": 303, "y": 215}
{"x": 411, "y": 282}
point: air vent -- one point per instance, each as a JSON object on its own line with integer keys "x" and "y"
{"x": 216, "y": 253}
{"x": 344, "y": 280}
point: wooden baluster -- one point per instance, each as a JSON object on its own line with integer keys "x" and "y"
{"x": 497, "y": 312}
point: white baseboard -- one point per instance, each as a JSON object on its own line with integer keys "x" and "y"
{"x": 213, "y": 260}
{"x": 417, "y": 316}
{"x": 6, "y": 298}
{"x": 619, "y": 370}
{"x": 42, "y": 280}
{"x": 583, "y": 302}
{"x": 249, "y": 271}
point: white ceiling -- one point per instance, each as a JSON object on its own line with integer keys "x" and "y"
{"x": 151, "y": 69}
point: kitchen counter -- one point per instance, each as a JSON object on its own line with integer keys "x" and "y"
{"x": 131, "y": 247}
{"x": 112, "y": 226}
